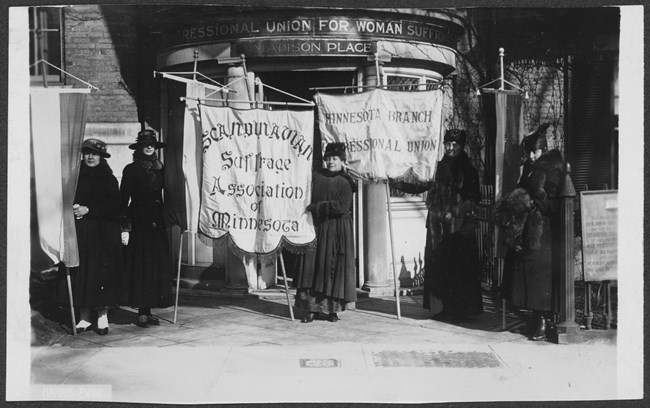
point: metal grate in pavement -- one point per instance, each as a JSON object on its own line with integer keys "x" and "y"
{"x": 319, "y": 363}
{"x": 451, "y": 359}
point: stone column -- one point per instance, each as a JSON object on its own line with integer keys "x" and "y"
{"x": 375, "y": 227}
{"x": 567, "y": 328}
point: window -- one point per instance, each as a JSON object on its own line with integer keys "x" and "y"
{"x": 46, "y": 42}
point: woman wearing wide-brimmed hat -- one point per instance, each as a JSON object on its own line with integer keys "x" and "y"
{"x": 96, "y": 206}
{"x": 147, "y": 274}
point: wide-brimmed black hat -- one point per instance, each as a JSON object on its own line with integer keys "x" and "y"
{"x": 335, "y": 149}
{"x": 536, "y": 139}
{"x": 147, "y": 137}
{"x": 96, "y": 146}
{"x": 455, "y": 135}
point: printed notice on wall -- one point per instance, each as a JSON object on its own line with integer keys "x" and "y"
{"x": 599, "y": 211}
{"x": 257, "y": 177}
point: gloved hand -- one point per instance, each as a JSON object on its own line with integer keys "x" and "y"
{"x": 125, "y": 238}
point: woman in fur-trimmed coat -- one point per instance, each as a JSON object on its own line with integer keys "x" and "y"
{"x": 452, "y": 270}
{"x": 532, "y": 262}
{"x": 452, "y": 276}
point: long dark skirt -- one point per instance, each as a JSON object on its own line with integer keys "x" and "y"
{"x": 148, "y": 270}
{"x": 312, "y": 301}
{"x": 330, "y": 269}
{"x": 530, "y": 277}
{"x": 453, "y": 274}
{"x": 308, "y": 299}
{"x": 95, "y": 282}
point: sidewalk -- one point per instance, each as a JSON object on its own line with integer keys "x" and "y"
{"x": 237, "y": 349}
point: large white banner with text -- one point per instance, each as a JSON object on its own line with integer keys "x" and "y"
{"x": 256, "y": 185}
{"x": 387, "y": 133}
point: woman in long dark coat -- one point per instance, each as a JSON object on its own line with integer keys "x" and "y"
{"x": 326, "y": 279}
{"x": 532, "y": 263}
{"x": 451, "y": 259}
{"x": 97, "y": 201}
{"x": 452, "y": 270}
{"x": 148, "y": 271}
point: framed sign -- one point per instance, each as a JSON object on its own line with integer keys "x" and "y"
{"x": 599, "y": 211}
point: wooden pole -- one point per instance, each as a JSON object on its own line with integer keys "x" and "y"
{"x": 286, "y": 285}
{"x": 392, "y": 252}
{"x": 196, "y": 60}
{"x": 567, "y": 328}
{"x": 501, "y": 55}
{"x": 178, "y": 276}
{"x": 74, "y": 323}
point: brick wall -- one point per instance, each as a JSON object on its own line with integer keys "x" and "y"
{"x": 101, "y": 48}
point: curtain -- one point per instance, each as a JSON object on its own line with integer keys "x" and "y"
{"x": 58, "y": 120}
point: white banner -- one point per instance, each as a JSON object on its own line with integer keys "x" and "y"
{"x": 256, "y": 185}
{"x": 387, "y": 133}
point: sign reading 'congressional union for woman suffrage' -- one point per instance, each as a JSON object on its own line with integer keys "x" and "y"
{"x": 344, "y": 28}
{"x": 257, "y": 176}
{"x": 387, "y": 133}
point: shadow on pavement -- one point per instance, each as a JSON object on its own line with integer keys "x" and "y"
{"x": 411, "y": 307}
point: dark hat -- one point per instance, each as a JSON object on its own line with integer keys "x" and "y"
{"x": 535, "y": 140}
{"x": 455, "y": 135}
{"x": 96, "y": 146}
{"x": 335, "y": 149}
{"x": 147, "y": 137}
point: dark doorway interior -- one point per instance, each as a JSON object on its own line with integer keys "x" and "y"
{"x": 298, "y": 83}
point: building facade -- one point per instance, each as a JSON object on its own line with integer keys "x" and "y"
{"x": 295, "y": 52}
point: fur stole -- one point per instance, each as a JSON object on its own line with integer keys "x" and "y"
{"x": 521, "y": 223}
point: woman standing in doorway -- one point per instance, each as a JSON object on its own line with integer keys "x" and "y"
{"x": 326, "y": 280}
{"x": 148, "y": 263}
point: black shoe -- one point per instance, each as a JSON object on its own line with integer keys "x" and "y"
{"x": 153, "y": 321}
{"x": 142, "y": 321}
{"x": 102, "y": 332}
{"x": 333, "y": 317}
{"x": 308, "y": 318}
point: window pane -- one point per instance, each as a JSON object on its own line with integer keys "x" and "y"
{"x": 398, "y": 83}
{"x": 45, "y": 41}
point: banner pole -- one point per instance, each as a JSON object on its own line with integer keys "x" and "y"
{"x": 178, "y": 275}
{"x": 286, "y": 285}
{"x": 392, "y": 252}
{"x": 74, "y": 323}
